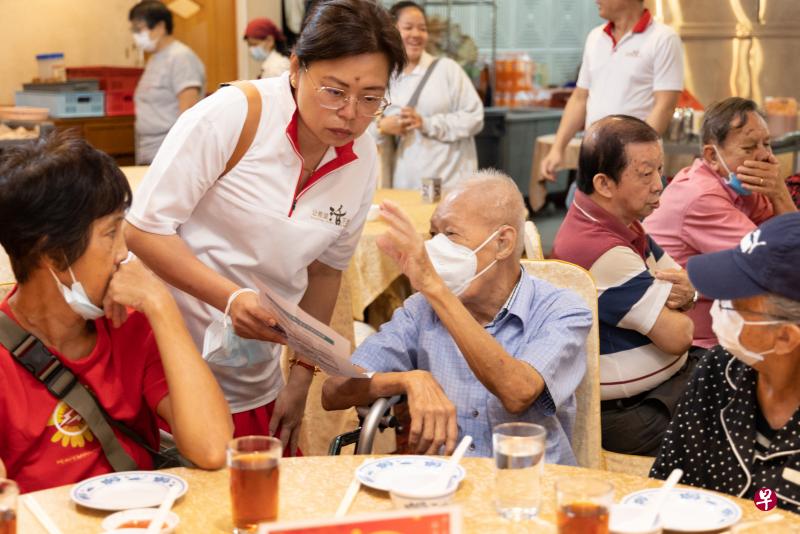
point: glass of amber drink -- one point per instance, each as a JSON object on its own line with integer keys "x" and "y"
{"x": 9, "y": 493}
{"x": 253, "y": 465}
{"x": 583, "y": 505}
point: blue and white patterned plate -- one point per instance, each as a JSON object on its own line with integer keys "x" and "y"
{"x": 383, "y": 473}
{"x": 690, "y": 510}
{"x": 126, "y": 490}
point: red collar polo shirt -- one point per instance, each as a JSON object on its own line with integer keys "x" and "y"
{"x": 622, "y": 260}
{"x": 621, "y": 76}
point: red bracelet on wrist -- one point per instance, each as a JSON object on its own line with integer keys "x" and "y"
{"x": 295, "y": 361}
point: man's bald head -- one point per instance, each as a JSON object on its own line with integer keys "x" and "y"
{"x": 492, "y": 199}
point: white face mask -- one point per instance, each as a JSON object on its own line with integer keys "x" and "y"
{"x": 727, "y": 324}
{"x": 221, "y": 345}
{"x": 455, "y": 263}
{"x": 258, "y": 53}
{"x": 77, "y": 299}
{"x": 144, "y": 42}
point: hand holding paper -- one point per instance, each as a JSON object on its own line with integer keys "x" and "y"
{"x": 316, "y": 341}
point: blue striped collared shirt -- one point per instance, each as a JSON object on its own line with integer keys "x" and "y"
{"x": 540, "y": 324}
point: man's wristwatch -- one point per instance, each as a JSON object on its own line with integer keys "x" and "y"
{"x": 689, "y": 305}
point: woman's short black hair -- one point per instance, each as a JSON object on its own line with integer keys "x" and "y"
{"x": 603, "y": 149}
{"x": 51, "y": 191}
{"x": 395, "y": 10}
{"x": 341, "y": 28}
{"x": 152, "y": 12}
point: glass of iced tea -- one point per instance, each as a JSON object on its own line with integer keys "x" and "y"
{"x": 583, "y": 504}
{"x": 9, "y": 492}
{"x": 253, "y": 463}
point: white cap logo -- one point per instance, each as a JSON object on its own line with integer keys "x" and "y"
{"x": 750, "y": 242}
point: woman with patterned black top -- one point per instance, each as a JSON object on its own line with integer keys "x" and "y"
{"x": 737, "y": 429}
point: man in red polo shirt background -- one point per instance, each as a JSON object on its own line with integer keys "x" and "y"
{"x": 632, "y": 65}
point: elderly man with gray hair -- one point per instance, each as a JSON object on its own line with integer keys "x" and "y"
{"x": 482, "y": 342}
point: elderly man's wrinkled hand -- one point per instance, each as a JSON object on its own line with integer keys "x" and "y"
{"x": 433, "y": 417}
{"x": 681, "y": 296}
{"x": 762, "y": 177}
{"x": 406, "y": 247}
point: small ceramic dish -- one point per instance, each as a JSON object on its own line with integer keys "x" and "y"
{"x": 627, "y": 513}
{"x": 137, "y": 520}
{"x": 408, "y": 498}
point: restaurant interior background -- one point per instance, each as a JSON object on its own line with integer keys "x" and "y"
{"x": 731, "y": 47}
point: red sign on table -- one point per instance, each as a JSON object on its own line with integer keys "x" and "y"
{"x": 433, "y": 521}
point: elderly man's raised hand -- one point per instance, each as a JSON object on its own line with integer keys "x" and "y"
{"x": 433, "y": 417}
{"x": 762, "y": 176}
{"x": 406, "y": 247}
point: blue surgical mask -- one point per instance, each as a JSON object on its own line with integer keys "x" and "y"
{"x": 222, "y": 347}
{"x": 77, "y": 299}
{"x": 732, "y": 180}
{"x": 258, "y": 53}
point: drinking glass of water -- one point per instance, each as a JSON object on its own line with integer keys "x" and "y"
{"x": 519, "y": 463}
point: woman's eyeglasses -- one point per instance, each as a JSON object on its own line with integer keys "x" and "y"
{"x": 335, "y": 98}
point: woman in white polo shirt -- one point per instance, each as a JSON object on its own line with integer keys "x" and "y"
{"x": 288, "y": 215}
{"x": 434, "y": 131}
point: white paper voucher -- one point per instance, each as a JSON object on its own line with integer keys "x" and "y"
{"x": 317, "y": 342}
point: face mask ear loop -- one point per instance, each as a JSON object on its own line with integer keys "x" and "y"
{"x": 58, "y": 282}
{"x": 722, "y": 161}
{"x": 74, "y": 280}
{"x": 487, "y": 240}
{"x": 233, "y": 297}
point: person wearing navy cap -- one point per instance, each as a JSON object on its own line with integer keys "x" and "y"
{"x": 737, "y": 429}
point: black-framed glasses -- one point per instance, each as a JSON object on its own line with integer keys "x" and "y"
{"x": 335, "y": 98}
{"x": 728, "y": 306}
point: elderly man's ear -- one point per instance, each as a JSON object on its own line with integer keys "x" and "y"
{"x": 711, "y": 159}
{"x": 787, "y": 341}
{"x": 604, "y": 185}
{"x": 506, "y": 242}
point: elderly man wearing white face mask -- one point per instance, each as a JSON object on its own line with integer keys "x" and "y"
{"x": 737, "y": 428}
{"x": 174, "y": 78}
{"x": 482, "y": 342}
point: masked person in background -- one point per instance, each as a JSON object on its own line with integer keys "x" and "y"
{"x": 174, "y": 78}
{"x": 267, "y": 46}
{"x": 723, "y": 195}
{"x": 737, "y": 427}
{"x": 482, "y": 343}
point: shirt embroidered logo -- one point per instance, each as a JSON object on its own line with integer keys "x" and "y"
{"x": 750, "y": 242}
{"x": 71, "y": 429}
{"x": 333, "y": 215}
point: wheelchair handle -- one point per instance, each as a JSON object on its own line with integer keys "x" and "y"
{"x": 372, "y": 422}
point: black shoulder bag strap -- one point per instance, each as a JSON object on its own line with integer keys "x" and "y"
{"x": 415, "y": 97}
{"x": 31, "y": 353}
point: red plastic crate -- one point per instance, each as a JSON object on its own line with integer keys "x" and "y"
{"x": 111, "y": 78}
{"x": 119, "y": 103}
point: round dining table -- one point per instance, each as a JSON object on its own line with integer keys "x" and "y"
{"x": 312, "y": 487}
